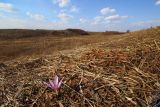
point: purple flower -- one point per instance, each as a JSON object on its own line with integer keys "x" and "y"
{"x": 54, "y": 85}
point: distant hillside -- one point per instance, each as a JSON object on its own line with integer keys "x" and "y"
{"x": 77, "y": 31}
{"x": 25, "y": 33}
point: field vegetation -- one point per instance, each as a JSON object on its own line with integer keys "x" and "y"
{"x": 99, "y": 70}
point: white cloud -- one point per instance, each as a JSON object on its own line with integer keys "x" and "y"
{"x": 19, "y": 23}
{"x": 141, "y": 23}
{"x": 82, "y": 20}
{"x": 158, "y": 2}
{"x": 11, "y": 23}
{"x": 74, "y": 9}
{"x": 107, "y": 10}
{"x": 63, "y": 10}
{"x": 108, "y": 19}
{"x": 64, "y": 17}
{"x": 35, "y": 16}
{"x": 146, "y": 23}
{"x": 6, "y": 7}
{"x": 97, "y": 20}
{"x": 62, "y": 3}
{"x": 115, "y": 18}
{"x": 7, "y": 22}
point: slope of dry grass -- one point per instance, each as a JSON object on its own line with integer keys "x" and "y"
{"x": 26, "y": 33}
{"x": 123, "y": 71}
{"x": 34, "y": 46}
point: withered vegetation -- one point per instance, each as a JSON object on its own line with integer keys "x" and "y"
{"x": 22, "y": 43}
{"x": 124, "y": 71}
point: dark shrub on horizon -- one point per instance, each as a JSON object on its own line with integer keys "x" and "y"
{"x": 78, "y": 31}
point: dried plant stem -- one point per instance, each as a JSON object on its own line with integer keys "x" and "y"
{"x": 80, "y": 95}
{"x": 156, "y": 45}
{"x": 38, "y": 97}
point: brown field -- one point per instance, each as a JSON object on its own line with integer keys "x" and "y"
{"x": 99, "y": 70}
{"x": 14, "y": 44}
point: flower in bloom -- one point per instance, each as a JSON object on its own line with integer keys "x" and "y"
{"x": 54, "y": 85}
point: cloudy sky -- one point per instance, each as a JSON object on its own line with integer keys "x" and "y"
{"x": 92, "y": 15}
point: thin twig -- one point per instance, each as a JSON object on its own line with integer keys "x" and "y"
{"x": 38, "y": 97}
{"x": 80, "y": 95}
{"x": 156, "y": 45}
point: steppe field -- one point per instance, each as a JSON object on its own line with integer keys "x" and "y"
{"x": 99, "y": 69}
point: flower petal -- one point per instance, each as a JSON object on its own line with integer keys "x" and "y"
{"x": 56, "y": 81}
{"x": 60, "y": 83}
{"x": 48, "y": 85}
{"x": 52, "y": 84}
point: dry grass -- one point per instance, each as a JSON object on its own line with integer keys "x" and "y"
{"x": 14, "y": 48}
{"x": 121, "y": 72}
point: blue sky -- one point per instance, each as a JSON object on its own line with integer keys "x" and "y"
{"x": 92, "y": 15}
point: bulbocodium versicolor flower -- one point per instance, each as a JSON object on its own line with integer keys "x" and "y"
{"x": 54, "y": 85}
